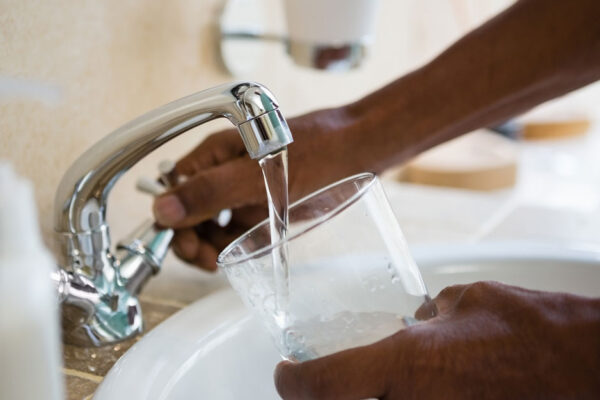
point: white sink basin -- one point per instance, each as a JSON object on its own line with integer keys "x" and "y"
{"x": 213, "y": 349}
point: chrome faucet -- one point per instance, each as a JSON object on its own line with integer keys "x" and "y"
{"x": 98, "y": 288}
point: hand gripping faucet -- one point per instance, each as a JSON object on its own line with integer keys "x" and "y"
{"x": 98, "y": 288}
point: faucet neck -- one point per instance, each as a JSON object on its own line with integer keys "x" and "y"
{"x": 80, "y": 204}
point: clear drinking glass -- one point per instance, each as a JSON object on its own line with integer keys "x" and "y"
{"x": 351, "y": 278}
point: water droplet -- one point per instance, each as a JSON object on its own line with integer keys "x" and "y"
{"x": 91, "y": 368}
{"x": 394, "y": 272}
{"x": 293, "y": 338}
{"x": 289, "y": 335}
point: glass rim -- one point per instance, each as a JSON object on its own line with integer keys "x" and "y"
{"x": 315, "y": 223}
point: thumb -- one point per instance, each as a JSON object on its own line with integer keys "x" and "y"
{"x": 233, "y": 184}
{"x": 358, "y": 373}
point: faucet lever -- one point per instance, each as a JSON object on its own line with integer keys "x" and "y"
{"x": 141, "y": 255}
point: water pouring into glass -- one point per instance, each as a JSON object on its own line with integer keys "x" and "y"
{"x": 339, "y": 276}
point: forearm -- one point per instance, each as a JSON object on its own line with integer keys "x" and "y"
{"x": 534, "y": 51}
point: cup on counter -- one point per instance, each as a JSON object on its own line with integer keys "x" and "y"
{"x": 351, "y": 278}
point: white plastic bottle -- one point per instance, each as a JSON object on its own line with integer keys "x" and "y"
{"x": 30, "y": 355}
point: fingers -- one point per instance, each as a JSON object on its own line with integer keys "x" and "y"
{"x": 219, "y": 237}
{"x": 441, "y": 305}
{"x": 191, "y": 248}
{"x": 234, "y": 184}
{"x": 455, "y": 297}
{"x": 358, "y": 373}
{"x": 449, "y": 297}
{"x": 427, "y": 310}
{"x": 201, "y": 244}
{"x": 214, "y": 150}
{"x": 249, "y": 216}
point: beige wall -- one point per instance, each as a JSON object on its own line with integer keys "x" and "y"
{"x": 111, "y": 60}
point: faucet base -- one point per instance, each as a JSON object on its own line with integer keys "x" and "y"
{"x": 114, "y": 321}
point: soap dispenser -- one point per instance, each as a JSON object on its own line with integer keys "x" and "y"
{"x": 29, "y": 333}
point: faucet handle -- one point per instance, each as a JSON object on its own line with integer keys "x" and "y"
{"x": 141, "y": 254}
{"x": 149, "y": 186}
{"x": 148, "y": 241}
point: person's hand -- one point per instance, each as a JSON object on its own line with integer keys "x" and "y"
{"x": 221, "y": 175}
{"x": 489, "y": 341}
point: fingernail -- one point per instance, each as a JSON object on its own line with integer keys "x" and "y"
{"x": 168, "y": 210}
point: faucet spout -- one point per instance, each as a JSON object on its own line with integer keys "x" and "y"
{"x": 80, "y": 204}
{"x": 81, "y": 197}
